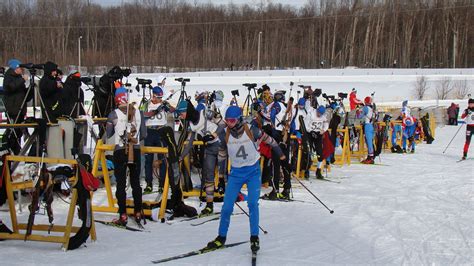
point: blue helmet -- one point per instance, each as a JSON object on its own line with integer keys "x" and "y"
{"x": 157, "y": 91}
{"x": 233, "y": 112}
{"x": 182, "y": 107}
{"x": 321, "y": 109}
{"x": 302, "y": 101}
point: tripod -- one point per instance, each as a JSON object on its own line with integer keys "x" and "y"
{"x": 183, "y": 95}
{"x": 144, "y": 101}
{"x": 248, "y": 99}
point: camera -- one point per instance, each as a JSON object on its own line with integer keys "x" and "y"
{"x": 250, "y": 85}
{"x": 143, "y": 81}
{"x": 235, "y": 93}
{"x": 118, "y": 73}
{"x": 317, "y": 92}
{"x": 182, "y": 80}
{"x": 342, "y": 95}
{"x": 32, "y": 66}
{"x": 85, "y": 80}
{"x": 328, "y": 97}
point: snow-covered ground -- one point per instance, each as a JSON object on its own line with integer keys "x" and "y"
{"x": 415, "y": 209}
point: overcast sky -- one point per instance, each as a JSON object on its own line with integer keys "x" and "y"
{"x": 296, "y": 3}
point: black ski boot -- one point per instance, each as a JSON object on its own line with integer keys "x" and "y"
{"x": 217, "y": 243}
{"x": 318, "y": 174}
{"x": 254, "y": 243}
{"x": 208, "y": 210}
{"x": 464, "y": 156}
{"x": 285, "y": 194}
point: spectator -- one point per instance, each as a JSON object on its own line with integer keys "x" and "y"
{"x": 452, "y": 114}
{"x": 72, "y": 97}
{"x": 50, "y": 91}
{"x": 15, "y": 100}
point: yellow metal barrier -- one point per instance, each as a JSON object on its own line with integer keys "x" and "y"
{"x": 101, "y": 148}
{"x": 16, "y": 227}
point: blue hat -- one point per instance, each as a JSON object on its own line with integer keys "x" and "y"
{"x": 233, "y": 112}
{"x": 405, "y": 103}
{"x": 302, "y": 101}
{"x": 120, "y": 91}
{"x": 158, "y": 91}
{"x": 182, "y": 107}
{"x": 14, "y": 63}
{"x": 321, "y": 109}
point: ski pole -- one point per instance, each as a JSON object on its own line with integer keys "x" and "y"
{"x": 301, "y": 183}
{"x": 264, "y": 231}
{"x": 453, "y": 138}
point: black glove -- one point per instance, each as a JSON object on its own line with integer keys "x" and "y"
{"x": 315, "y": 134}
{"x": 208, "y": 138}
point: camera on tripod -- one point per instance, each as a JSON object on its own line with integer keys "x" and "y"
{"x": 32, "y": 67}
{"x": 317, "y": 92}
{"x": 143, "y": 82}
{"x": 118, "y": 73}
{"x": 329, "y": 97}
{"x": 182, "y": 80}
{"x": 342, "y": 95}
{"x": 250, "y": 85}
{"x": 235, "y": 93}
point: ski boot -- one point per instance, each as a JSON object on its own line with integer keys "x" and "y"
{"x": 148, "y": 189}
{"x": 221, "y": 186}
{"x": 404, "y": 151}
{"x": 306, "y": 174}
{"x": 318, "y": 174}
{"x": 217, "y": 243}
{"x": 369, "y": 160}
{"x": 254, "y": 243}
{"x": 122, "y": 220}
{"x": 273, "y": 195}
{"x": 208, "y": 210}
{"x": 412, "y": 151}
{"x": 285, "y": 194}
{"x": 464, "y": 156}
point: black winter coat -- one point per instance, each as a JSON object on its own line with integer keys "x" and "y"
{"x": 50, "y": 93}
{"x": 14, "y": 94}
{"x": 69, "y": 97}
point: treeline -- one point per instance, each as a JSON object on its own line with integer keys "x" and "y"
{"x": 323, "y": 33}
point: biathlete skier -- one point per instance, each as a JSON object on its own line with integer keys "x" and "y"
{"x": 240, "y": 142}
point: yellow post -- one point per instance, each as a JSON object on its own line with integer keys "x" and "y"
{"x": 72, "y": 208}
{"x": 11, "y": 199}
{"x": 164, "y": 198}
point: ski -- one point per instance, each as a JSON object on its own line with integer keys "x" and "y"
{"x": 213, "y": 219}
{"x": 125, "y": 227}
{"x": 171, "y": 220}
{"x": 328, "y": 180}
{"x": 254, "y": 258}
{"x": 458, "y": 161}
{"x": 197, "y": 252}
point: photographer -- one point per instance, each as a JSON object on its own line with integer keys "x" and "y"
{"x": 50, "y": 91}
{"x": 104, "y": 95}
{"x": 72, "y": 94}
{"x": 15, "y": 94}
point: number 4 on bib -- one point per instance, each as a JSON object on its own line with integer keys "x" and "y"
{"x": 241, "y": 153}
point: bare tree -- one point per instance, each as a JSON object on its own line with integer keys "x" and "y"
{"x": 461, "y": 89}
{"x": 444, "y": 88}
{"x": 420, "y": 87}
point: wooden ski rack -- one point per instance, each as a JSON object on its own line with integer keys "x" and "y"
{"x": 67, "y": 229}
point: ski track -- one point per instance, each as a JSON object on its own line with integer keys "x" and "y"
{"x": 418, "y": 210}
